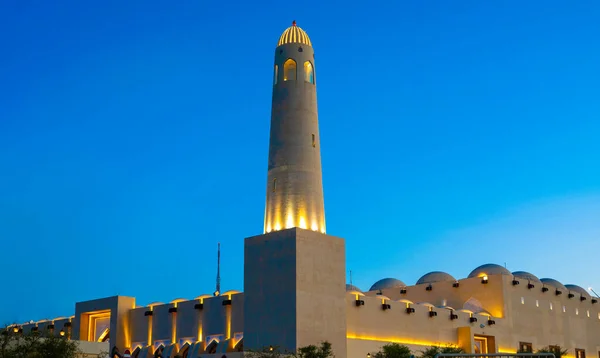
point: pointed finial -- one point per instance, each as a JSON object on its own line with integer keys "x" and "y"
{"x": 218, "y": 291}
{"x": 294, "y": 23}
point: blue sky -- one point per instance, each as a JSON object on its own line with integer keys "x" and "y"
{"x": 134, "y": 137}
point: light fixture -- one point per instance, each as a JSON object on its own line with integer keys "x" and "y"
{"x": 558, "y": 292}
{"x": 368, "y": 355}
{"x": 15, "y": 329}
{"x": 491, "y": 322}
{"x": 544, "y": 289}
{"x": 484, "y": 279}
{"x": 360, "y": 303}
{"x": 455, "y": 284}
{"x": 410, "y": 310}
{"x": 386, "y": 306}
{"x": 515, "y": 282}
{"x": 570, "y": 295}
{"x": 172, "y": 309}
{"x": 530, "y": 285}
{"x": 432, "y": 313}
{"x": 403, "y": 291}
{"x": 62, "y": 332}
{"x": 472, "y": 319}
{"x": 271, "y": 348}
{"x": 429, "y": 288}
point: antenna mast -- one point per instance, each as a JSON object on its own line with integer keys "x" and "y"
{"x": 218, "y": 291}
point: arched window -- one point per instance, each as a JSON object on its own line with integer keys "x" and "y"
{"x": 275, "y": 75}
{"x": 309, "y": 73}
{"x": 289, "y": 70}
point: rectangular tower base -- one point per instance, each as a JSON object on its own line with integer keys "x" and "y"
{"x": 294, "y": 291}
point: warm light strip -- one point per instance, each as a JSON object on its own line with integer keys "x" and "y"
{"x": 174, "y": 327}
{"x": 149, "y": 330}
{"x": 507, "y": 350}
{"x": 199, "y": 320}
{"x": 103, "y": 335}
{"x": 399, "y": 340}
{"x": 228, "y": 317}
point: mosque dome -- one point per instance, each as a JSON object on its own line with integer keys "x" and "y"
{"x": 526, "y": 276}
{"x": 294, "y": 34}
{"x": 489, "y": 269}
{"x": 579, "y": 289}
{"x": 387, "y": 283}
{"x": 435, "y": 276}
{"x": 553, "y": 283}
{"x": 350, "y": 287}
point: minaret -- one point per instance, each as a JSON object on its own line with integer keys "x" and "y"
{"x": 294, "y": 185}
{"x": 294, "y": 273}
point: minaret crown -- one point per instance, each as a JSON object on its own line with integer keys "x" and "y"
{"x": 294, "y": 34}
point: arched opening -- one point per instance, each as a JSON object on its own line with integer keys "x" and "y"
{"x": 309, "y": 73}
{"x": 289, "y": 70}
{"x": 239, "y": 346}
{"x": 275, "y": 74}
{"x": 159, "y": 351}
{"x": 212, "y": 347}
{"x": 136, "y": 352}
{"x": 183, "y": 352}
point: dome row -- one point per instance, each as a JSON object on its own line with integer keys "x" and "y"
{"x": 483, "y": 270}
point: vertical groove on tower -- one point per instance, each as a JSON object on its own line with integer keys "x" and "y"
{"x": 294, "y": 180}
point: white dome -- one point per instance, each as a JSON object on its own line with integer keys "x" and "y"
{"x": 526, "y": 276}
{"x": 489, "y": 269}
{"x": 387, "y": 283}
{"x": 553, "y": 283}
{"x": 435, "y": 276}
{"x": 580, "y": 290}
{"x": 350, "y": 287}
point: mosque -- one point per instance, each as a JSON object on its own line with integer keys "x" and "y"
{"x": 490, "y": 311}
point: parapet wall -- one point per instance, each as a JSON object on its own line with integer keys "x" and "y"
{"x": 504, "y": 310}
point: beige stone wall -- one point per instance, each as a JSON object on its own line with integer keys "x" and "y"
{"x": 188, "y": 324}
{"x": 294, "y": 288}
{"x": 521, "y": 314}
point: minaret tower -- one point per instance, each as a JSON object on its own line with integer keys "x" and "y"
{"x": 294, "y": 273}
{"x": 295, "y": 184}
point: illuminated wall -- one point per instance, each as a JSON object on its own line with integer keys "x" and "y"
{"x": 520, "y": 314}
{"x": 490, "y": 295}
{"x": 188, "y": 322}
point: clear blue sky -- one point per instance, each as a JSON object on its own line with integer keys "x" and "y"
{"x": 134, "y": 137}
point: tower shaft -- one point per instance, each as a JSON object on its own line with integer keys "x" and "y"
{"x": 294, "y": 184}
